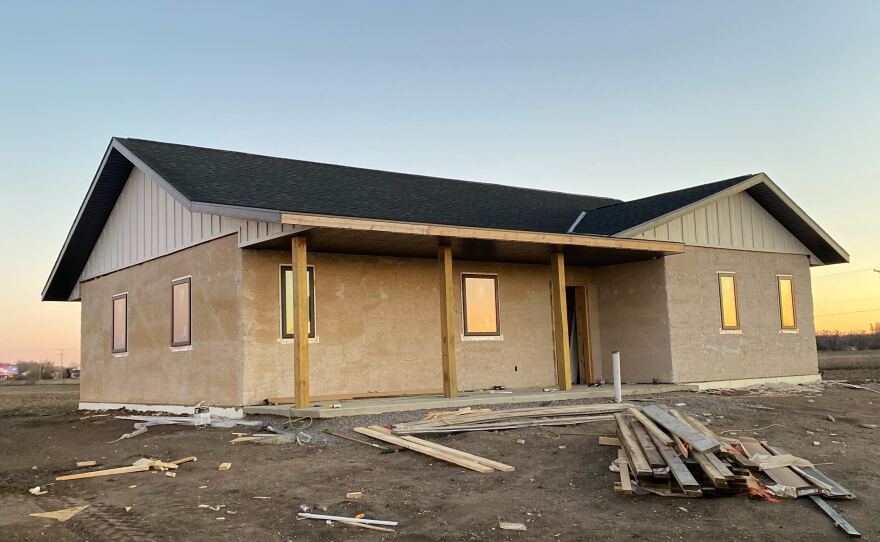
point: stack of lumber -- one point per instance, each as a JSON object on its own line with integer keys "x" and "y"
{"x": 437, "y": 451}
{"x": 665, "y": 452}
{"x": 488, "y": 420}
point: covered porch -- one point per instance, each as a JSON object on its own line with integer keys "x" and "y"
{"x": 317, "y": 235}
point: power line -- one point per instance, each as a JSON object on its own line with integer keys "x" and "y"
{"x": 850, "y": 312}
{"x": 846, "y": 273}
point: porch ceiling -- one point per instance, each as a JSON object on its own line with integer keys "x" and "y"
{"x": 383, "y": 243}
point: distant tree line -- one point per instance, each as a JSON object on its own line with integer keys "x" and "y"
{"x": 835, "y": 340}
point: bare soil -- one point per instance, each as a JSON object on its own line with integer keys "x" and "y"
{"x": 562, "y": 488}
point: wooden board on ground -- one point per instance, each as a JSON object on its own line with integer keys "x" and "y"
{"x": 695, "y": 439}
{"x": 678, "y": 469}
{"x": 630, "y": 444}
{"x": 782, "y": 475}
{"x": 105, "y": 472}
{"x": 700, "y": 426}
{"x": 651, "y": 454}
{"x": 651, "y": 427}
{"x": 609, "y": 441}
{"x": 623, "y": 470}
{"x": 427, "y": 450}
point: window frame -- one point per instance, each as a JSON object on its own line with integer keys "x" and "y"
{"x": 113, "y": 349}
{"x": 464, "y": 322}
{"x": 779, "y": 279}
{"x": 724, "y": 327}
{"x": 175, "y": 282}
{"x": 282, "y": 297}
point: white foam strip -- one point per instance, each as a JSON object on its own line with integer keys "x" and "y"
{"x": 233, "y": 413}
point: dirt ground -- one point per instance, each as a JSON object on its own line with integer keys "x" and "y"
{"x": 561, "y": 489}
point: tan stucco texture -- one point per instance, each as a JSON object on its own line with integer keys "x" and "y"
{"x": 378, "y": 327}
{"x": 701, "y": 352}
{"x": 151, "y": 372}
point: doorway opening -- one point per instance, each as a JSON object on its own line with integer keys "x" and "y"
{"x": 580, "y": 352}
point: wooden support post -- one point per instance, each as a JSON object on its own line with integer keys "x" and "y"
{"x": 300, "y": 322}
{"x": 560, "y": 321}
{"x": 447, "y": 329}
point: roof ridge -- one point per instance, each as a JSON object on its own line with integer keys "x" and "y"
{"x": 374, "y": 170}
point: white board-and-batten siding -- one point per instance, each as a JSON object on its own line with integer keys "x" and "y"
{"x": 736, "y": 221}
{"x": 148, "y": 221}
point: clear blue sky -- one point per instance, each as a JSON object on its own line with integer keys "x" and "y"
{"x": 621, "y": 99}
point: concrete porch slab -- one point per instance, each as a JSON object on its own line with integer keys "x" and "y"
{"x": 380, "y": 405}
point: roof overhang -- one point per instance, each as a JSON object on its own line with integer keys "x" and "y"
{"x": 781, "y": 207}
{"x": 401, "y": 239}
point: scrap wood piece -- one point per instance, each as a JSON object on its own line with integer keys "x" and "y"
{"x": 609, "y": 441}
{"x": 509, "y": 526}
{"x": 630, "y": 445}
{"x": 623, "y": 471}
{"x": 771, "y": 461}
{"x": 509, "y": 424}
{"x": 828, "y": 487}
{"x": 309, "y": 515}
{"x": 91, "y": 463}
{"x": 366, "y": 526}
{"x": 695, "y": 439}
{"x": 384, "y": 449}
{"x": 709, "y": 469}
{"x": 838, "y": 520}
{"x": 224, "y": 466}
{"x": 61, "y": 515}
{"x": 700, "y": 426}
{"x": 720, "y": 466}
{"x": 426, "y": 450}
{"x": 678, "y": 469}
{"x": 452, "y": 451}
{"x": 652, "y": 428}
{"x": 183, "y": 460}
{"x": 104, "y": 472}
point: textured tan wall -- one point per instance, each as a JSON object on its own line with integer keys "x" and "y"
{"x": 378, "y": 327}
{"x": 152, "y": 373}
{"x": 634, "y": 320}
{"x": 700, "y": 352}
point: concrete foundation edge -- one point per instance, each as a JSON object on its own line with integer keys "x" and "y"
{"x": 747, "y": 382}
{"x": 233, "y": 413}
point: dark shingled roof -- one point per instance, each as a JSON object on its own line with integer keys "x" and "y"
{"x": 280, "y": 184}
{"x": 619, "y": 217}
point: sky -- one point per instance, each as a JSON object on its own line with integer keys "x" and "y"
{"x": 621, "y": 99}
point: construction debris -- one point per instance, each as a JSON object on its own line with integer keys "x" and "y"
{"x": 37, "y": 491}
{"x": 343, "y": 519}
{"x": 200, "y": 419}
{"x": 354, "y": 494}
{"x": 224, "y": 466}
{"x": 706, "y": 464}
{"x": 86, "y": 463}
{"x": 487, "y": 420}
{"x": 507, "y": 526}
{"x": 384, "y": 449}
{"x": 838, "y": 520}
{"x": 141, "y": 465}
{"x": 61, "y": 515}
{"x": 443, "y": 453}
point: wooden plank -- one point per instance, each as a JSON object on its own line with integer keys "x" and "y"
{"x": 582, "y": 321}
{"x": 560, "y": 321}
{"x": 717, "y": 479}
{"x": 651, "y": 454}
{"x": 695, "y": 439}
{"x": 452, "y": 451}
{"x": 447, "y": 327}
{"x": 426, "y": 450}
{"x": 357, "y": 395}
{"x": 630, "y": 444}
{"x": 697, "y": 424}
{"x": 838, "y": 520}
{"x": 719, "y": 465}
{"x": 105, "y": 472}
{"x": 480, "y": 233}
{"x": 609, "y": 441}
{"x": 623, "y": 471}
{"x": 677, "y": 468}
{"x": 652, "y": 428}
{"x": 300, "y": 321}
{"x": 182, "y": 460}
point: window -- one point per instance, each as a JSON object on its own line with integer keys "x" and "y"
{"x": 480, "y": 304}
{"x": 287, "y": 301}
{"x": 729, "y": 311}
{"x": 181, "y": 312}
{"x": 120, "y": 324}
{"x": 787, "y": 315}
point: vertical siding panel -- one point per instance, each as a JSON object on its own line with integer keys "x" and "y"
{"x": 701, "y": 227}
{"x": 758, "y": 226}
{"x": 736, "y": 229}
{"x": 206, "y": 226}
{"x": 178, "y": 225}
{"x": 196, "y": 219}
{"x": 675, "y": 227}
{"x": 724, "y": 222}
{"x": 161, "y": 238}
{"x": 649, "y": 234}
{"x": 662, "y": 232}
{"x": 746, "y": 204}
{"x": 141, "y": 219}
{"x": 712, "y": 222}
{"x": 187, "y": 226}
{"x": 688, "y": 228}
{"x": 215, "y": 225}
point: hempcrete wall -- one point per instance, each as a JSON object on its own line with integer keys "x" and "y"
{"x": 700, "y": 352}
{"x": 151, "y": 373}
{"x": 378, "y": 327}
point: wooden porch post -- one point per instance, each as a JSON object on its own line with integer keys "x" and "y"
{"x": 300, "y": 322}
{"x": 560, "y": 321}
{"x": 447, "y": 329}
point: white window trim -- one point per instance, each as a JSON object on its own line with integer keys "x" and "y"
{"x": 192, "y": 337}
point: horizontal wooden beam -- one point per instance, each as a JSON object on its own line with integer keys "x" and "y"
{"x": 560, "y": 239}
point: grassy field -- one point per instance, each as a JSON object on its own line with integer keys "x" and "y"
{"x": 863, "y": 359}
